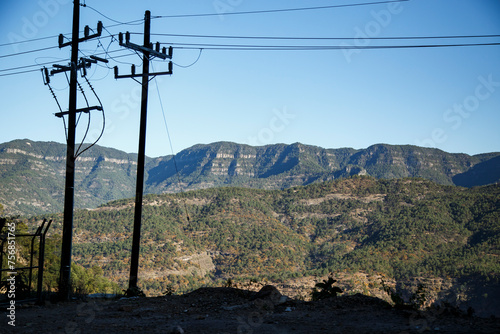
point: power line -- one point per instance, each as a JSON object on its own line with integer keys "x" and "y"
{"x": 255, "y": 37}
{"x": 321, "y": 38}
{"x": 170, "y": 142}
{"x": 139, "y": 21}
{"x": 249, "y": 47}
{"x": 236, "y": 46}
{"x": 37, "y": 50}
{"x": 113, "y": 39}
{"x": 48, "y": 63}
{"x": 135, "y": 22}
{"x": 249, "y": 37}
{"x": 51, "y": 62}
{"x": 62, "y": 60}
{"x": 24, "y": 67}
{"x": 55, "y": 36}
{"x": 28, "y": 40}
{"x": 21, "y": 72}
{"x": 29, "y": 51}
{"x": 277, "y": 10}
{"x": 186, "y": 66}
{"x": 240, "y": 47}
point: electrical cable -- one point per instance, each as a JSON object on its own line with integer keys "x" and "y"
{"x": 20, "y": 72}
{"x": 28, "y": 41}
{"x": 241, "y": 47}
{"x": 25, "y": 66}
{"x": 97, "y": 63}
{"x": 78, "y": 151}
{"x": 186, "y": 66}
{"x": 88, "y": 123}
{"x": 47, "y": 83}
{"x": 317, "y": 38}
{"x": 139, "y": 21}
{"x": 50, "y": 89}
{"x": 35, "y": 50}
{"x": 171, "y": 148}
{"x": 88, "y": 105}
{"x": 103, "y": 119}
{"x": 276, "y": 10}
{"x": 29, "y": 51}
{"x": 67, "y": 59}
{"x": 236, "y": 47}
{"x": 106, "y": 52}
{"x": 65, "y": 128}
{"x": 212, "y": 46}
{"x": 246, "y": 47}
{"x": 113, "y": 20}
{"x": 56, "y": 36}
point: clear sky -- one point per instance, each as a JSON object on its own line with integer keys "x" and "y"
{"x": 448, "y": 98}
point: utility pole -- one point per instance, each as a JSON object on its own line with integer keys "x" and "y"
{"x": 69, "y": 190}
{"x": 74, "y": 66}
{"x": 147, "y": 51}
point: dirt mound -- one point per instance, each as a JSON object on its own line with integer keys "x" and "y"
{"x": 230, "y": 310}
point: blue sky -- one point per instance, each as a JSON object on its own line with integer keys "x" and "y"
{"x": 448, "y": 98}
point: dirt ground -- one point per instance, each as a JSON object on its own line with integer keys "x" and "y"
{"x": 230, "y": 310}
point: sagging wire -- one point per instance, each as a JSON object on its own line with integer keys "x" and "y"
{"x": 172, "y": 149}
{"x": 135, "y": 22}
{"x": 88, "y": 123}
{"x": 103, "y": 119}
{"x": 80, "y": 115}
{"x": 99, "y": 44}
{"x": 46, "y": 82}
{"x": 106, "y": 51}
{"x": 186, "y": 66}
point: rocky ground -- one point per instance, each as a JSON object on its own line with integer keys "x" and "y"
{"x": 232, "y": 310}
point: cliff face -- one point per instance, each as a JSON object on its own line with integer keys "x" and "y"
{"x": 32, "y": 177}
{"x": 32, "y": 173}
{"x": 280, "y": 166}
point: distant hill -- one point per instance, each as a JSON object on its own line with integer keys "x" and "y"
{"x": 32, "y": 173}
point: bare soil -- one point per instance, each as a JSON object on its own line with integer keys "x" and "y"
{"x": 231, "y": 310}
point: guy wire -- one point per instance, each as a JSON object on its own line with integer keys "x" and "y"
{"x": 172, "y": 150}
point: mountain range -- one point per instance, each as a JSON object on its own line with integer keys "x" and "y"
{"x": 32, "y": 173}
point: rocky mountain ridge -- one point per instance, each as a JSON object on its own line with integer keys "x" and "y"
{"x": 32, "y": 173}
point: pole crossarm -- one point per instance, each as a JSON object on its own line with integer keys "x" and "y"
{"x": 84, "y": 63}
{"x": 85, "y": 110}
{"x": 86, "y": 37}
{"x": 146, "y": 49}
{"x": 136, "y": 75}
{"x": 149, "y": 53}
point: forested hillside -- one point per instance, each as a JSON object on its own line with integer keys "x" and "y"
{"x": 401, "y": 229}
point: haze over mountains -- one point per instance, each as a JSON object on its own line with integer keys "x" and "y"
{"x": 32, "y": 173}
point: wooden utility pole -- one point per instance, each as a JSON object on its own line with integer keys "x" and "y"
{"x": 147, "y": 51}
{"x": 69, "y": 194}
